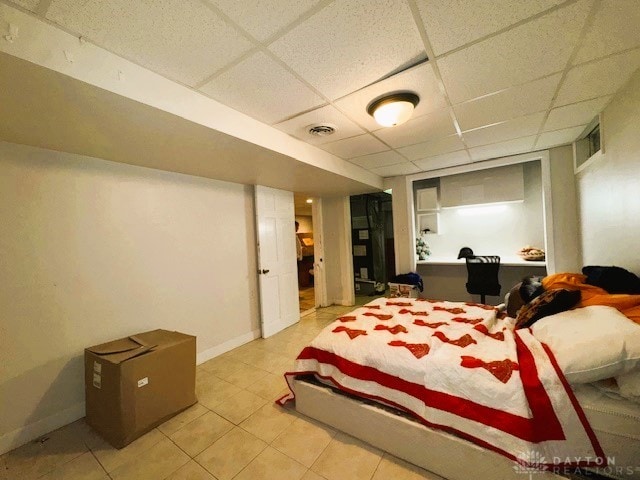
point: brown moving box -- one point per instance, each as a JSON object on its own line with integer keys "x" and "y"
{"x": 134, "y": 384}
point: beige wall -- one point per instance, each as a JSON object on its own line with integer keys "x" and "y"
{"x": 566, "y": 228}
{"x": 402, "y": 224}
{"x": 92, "y": 250}
{"x": 338, "y": 259}
{"x": 609, "y": 187}
{"x": 306, "y": 223}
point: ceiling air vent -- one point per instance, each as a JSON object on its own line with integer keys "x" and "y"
{"x": 321, "y": 129}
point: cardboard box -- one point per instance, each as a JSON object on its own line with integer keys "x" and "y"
{"x": 134, "y": 384}
{"x": 398, "y": 290}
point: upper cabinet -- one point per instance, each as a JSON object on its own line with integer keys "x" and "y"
{"x": 427, "y": 199}
{"x": 503, "y": 184}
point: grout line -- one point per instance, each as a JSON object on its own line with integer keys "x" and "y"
{"x": 201, "y": 83}
{"x": 576, "y": 48}
{"x": 258, "y": 46}
{"x": 417, "y": 18}
{"x": 43, "y": 7}
{"x": 508, "y": 28}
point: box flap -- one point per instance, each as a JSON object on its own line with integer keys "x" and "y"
{"x": 123, "y": 349}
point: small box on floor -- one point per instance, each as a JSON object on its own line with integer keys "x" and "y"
{"x": 397, "y": 290}
{"x": 364, "y": 287}
{"x": 135, "y": 383}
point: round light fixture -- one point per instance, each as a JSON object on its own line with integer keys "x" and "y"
{"x": 394, "y": 109}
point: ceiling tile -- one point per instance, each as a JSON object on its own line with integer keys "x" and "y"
{"x": 355, "y": 146}
{"x": 260, "y": 87}
{"x": 419, "y": 79}
{"x": 376, "y": 160}
{"x": 298, "y": 126}
{"x": 502, "y": 149}
{"x": 351, "y": 44}
{"x": 432, "y": 148}
{"x": 180, "y": 39}
{"x": 511, "y": 103}
{"x": 532, "y": 50}
{"x": 28, "y": 4}
{"x": 520, "y": 127}
{"x": 450, "y": 24}
{"x": 406, "y": 168}
{"x": 262, "y": 18}
{"x": 575, "y": 114}
{"x": 559, "y": 137}
{"x": 443, "y": 161}
{"x": 595, "y": 79}
{"x": 425, "y": 128}
{"x": 615, "y": 28}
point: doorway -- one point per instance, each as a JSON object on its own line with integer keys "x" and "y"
{"x": 372, "y": 243}
{"x": 303, "y": 211}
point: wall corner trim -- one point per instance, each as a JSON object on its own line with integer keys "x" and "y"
{"x": 227, "y": 346}
{"x": 23, "y": 435}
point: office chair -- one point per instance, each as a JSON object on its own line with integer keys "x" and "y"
{"x": 483, "y": 275}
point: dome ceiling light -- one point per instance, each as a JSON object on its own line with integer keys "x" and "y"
{"x": 393, "y": 109}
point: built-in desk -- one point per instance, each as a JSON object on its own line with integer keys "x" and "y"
{"x": 445, "y": 278}
{"x": 506, "y": 261}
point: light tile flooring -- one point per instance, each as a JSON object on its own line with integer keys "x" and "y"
{"x": 235, "y": 431}
{"x": 307, "y": 297}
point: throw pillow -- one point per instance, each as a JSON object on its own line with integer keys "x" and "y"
{"x": 545, "y": 304}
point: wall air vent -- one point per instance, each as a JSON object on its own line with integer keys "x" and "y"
{"x": 321, "y": 129}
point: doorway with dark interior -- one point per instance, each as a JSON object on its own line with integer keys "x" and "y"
{"x": 306, "y": 255}
{"x": 372, "y": 243}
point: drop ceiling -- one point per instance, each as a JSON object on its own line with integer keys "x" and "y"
{"x": 495, "y": 77}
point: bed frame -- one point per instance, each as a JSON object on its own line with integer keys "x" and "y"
{"x": 441, "y": 453}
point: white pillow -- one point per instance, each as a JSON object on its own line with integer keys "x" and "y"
{"x": 591, "y": 343}
{"x": 629, "y": 385}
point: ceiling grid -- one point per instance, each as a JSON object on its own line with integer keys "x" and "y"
{"x": 502, "y": 77}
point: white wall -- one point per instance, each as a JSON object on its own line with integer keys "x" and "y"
{"x": 306, "y": 223}
{"x": 402, "y": 224}
{"x": 93, "y": 250}
{"x": 338, "y": 260}
{"x": 566, "y": 229}
{"x": 609, "y": 188}
{"x": 493, "y": 230}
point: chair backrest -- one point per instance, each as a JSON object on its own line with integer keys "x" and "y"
{"x": 482, "y": 273}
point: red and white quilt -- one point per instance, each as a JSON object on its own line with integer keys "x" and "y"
{"x": 457, "y": 367}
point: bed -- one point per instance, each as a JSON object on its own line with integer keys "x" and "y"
{"x": 422, "y": 379}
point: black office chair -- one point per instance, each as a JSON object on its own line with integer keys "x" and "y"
{"x": 483, "y": 275}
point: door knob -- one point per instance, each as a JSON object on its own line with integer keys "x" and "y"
{"x": 265, "y": 271}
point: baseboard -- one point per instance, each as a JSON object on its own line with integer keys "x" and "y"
{"x": 227, "y": 346}
{"x": 22, "y": 435}
{"x": 25, "y": 434}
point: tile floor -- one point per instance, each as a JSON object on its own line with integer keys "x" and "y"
{"x": 307, "y": 298}
{"x": 235, "y": 431}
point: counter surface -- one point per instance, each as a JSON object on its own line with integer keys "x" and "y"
{"x": 512, "y": 261}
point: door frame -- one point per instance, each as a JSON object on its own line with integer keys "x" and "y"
{"x": 319, "y": 277}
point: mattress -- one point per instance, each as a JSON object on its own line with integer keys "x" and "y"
{"x": 616, "y": 422}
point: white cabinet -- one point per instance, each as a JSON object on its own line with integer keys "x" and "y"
{"x": 427, "y": 199}
{"x": 427, "y": 210}
{"x": 495, "y": 185}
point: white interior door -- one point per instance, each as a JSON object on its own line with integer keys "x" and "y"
{"x": 277, "y": 264}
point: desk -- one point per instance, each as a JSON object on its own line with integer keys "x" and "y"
{"x": 513, "y": 261}
{"x": 445, "y": 278}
